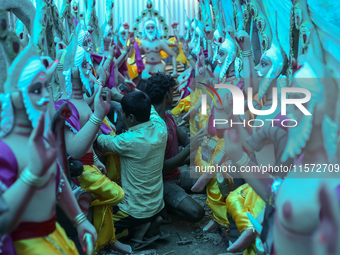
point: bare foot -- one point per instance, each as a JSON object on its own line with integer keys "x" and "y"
{"x": 210, "y": 226}
{"x": 155, "y": 227}
{"x": 123, "y": 248}
{"x": 202, "y": 182}
{"x": 140, "y": 231}
{"x": 243, "y": 242}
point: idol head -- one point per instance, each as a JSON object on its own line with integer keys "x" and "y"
{"x": 75, "y": 6}
{"x": 226, "y": 55}
{"x": 122, "y": 35}
{"x": 84, "y": 68}
{"x": 273, "y": 63}
{"x": 24, "y": 89}
{"x": 151, "y": 31}
{"x": 108, "y": 35}
{"x": 85, "y": 40}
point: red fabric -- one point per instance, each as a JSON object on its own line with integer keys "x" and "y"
{"x": 171, "y": 145}
{"x": 87, "y": 159}
{"x": 28, "y": 230}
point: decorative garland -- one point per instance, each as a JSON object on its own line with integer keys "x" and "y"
{"x": 152, "y": 13}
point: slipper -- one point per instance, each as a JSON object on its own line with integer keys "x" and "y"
{"x": 161, "y": 235}
{"x": 139, "y": 244}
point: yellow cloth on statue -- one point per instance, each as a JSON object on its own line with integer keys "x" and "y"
{"x": 112, "y": 160}
{"x": 215, "y": 200}
{"x": 132, "y": 70}
{"x": 181, "y": 57}
{"x": 105, "y": 195}
{"x": 183, "y": 105}
{"x": 202, "y": 119}
{"x": 240, "y": 201}
{"x": 55, "y": 243}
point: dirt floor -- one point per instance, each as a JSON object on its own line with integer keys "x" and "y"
{"x": 203, "y": 243}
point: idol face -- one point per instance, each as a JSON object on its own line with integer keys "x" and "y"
{"x": 123, "y": 35}
{"x": 86, "y": 68}
{"x": 150, "y": 29}
{"x": 263, "y": 67}
{"x": 108, "y": 37}
{"x": 221, "y": 56}
{"x": 37, "y": 92}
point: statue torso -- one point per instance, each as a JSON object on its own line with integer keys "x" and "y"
{"x": 42, "y": 205}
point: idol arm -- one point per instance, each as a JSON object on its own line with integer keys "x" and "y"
{"x": 261, "y": 182}
{"x": 68, "y": 202}
{"x": 17, "y": 198}
{"x": 79, "y": 144}
{"x": 172, "y": 54}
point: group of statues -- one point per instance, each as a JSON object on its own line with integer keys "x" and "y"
{"x": 61, "y": 70}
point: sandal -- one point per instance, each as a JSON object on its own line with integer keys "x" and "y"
{"x": 139, "y": 244}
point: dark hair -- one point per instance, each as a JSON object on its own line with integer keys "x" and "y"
{"x": 138, "y": 104}
{"x": 157, "y": 86}
{"x": 141, "y": 85}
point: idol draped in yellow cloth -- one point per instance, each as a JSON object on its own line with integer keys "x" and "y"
{"x": 215, "y": 200}
{"x": 132, "y": 68}
{"x": 55, "y": 243}
{"x": 181, "y": 57}
{"x": 239, "y": 202}
{"x": 105, "y": 195}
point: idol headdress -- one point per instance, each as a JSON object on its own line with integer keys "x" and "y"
{"x": 107, "y": 30}
{"x": 193, "y": 26}
{"x": 200, "y": 31}
{"x": 277, "y": 53}
{"x": 187, "y": 25}
{"x": 74, "y": 58}
{"x": 218, "y": 40}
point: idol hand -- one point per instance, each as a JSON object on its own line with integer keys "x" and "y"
{"x": 243, "y": 39}
{"x": 87, "y": 236}
{"x": 41, "y": 155}
{"x": 101, "y": 107}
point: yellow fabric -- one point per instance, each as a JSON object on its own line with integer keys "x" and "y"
{"x": 118, "y": 216}
{"x": 183, "y": 105}
{"x": 55, "y": 243}
{"x": 202, "y": 119}
{"x": 133, "y": 71}
{"x": 215, "y": 200}
{"x": 181, "y": 57}
{"x": 105, "y": 195}
{"x": 112, "y": 162}
{"x": 239, "y": 202}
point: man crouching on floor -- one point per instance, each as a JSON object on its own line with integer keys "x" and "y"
{"x": 141, "y": 151}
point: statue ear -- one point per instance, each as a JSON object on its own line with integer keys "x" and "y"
{"x": 17, "y": 100}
